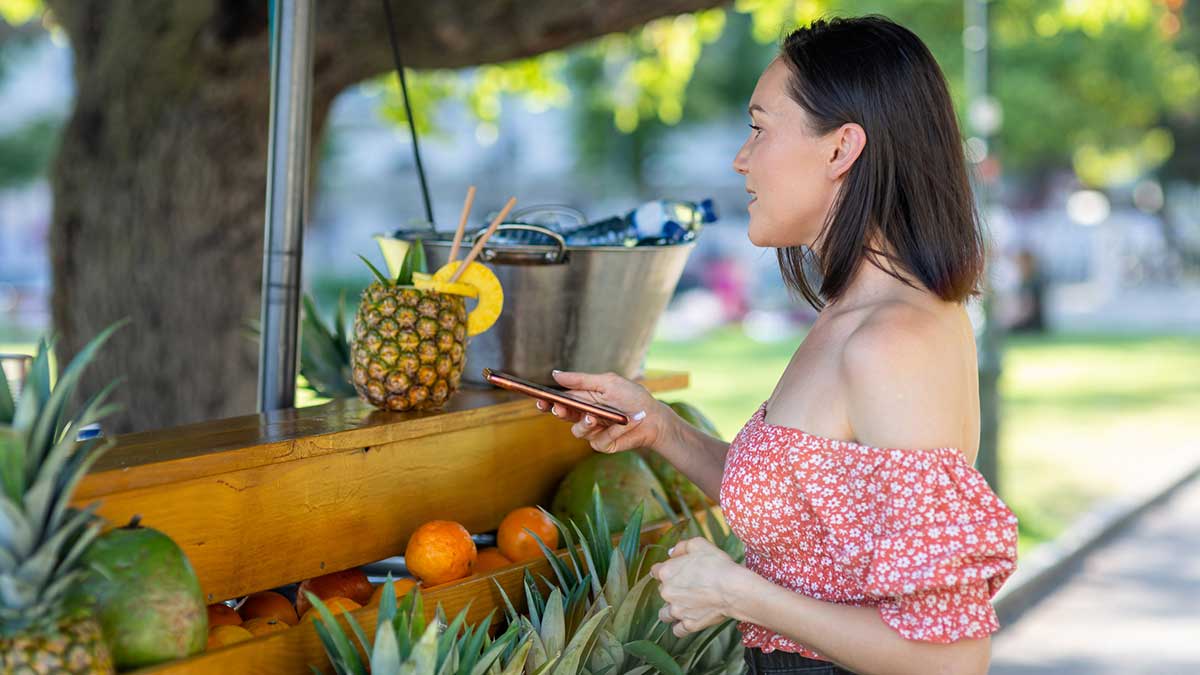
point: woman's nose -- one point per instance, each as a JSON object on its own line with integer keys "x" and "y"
{"x": 740, "y": 163}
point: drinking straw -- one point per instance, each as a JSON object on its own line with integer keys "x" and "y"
{"x": 462, "y": 223}
{"x": 512, "y": 201}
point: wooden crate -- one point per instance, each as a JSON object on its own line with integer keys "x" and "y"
{"x": 265, "y": 500}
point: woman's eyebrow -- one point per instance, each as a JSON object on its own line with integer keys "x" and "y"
{"x": 755, "y": 106}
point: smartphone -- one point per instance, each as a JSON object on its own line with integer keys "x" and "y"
{"x": 514, "y": 383}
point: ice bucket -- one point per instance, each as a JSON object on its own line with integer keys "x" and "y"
{"x": 581, "y": 308}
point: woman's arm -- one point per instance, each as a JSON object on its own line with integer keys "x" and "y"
{"x": 854, "y": 637}
{"x": 694, "y": 453}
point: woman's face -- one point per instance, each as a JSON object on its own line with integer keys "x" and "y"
{"x": 790, "y": 172}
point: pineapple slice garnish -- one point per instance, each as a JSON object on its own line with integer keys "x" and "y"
{"x": 489, "y": 291}
{"x": 429, "y": 283}
{"x": 394, "y": 251}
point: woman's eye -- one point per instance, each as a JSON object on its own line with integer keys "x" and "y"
{"x": 757, "y": 129}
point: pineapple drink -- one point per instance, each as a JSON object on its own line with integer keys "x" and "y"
{"x": 411, "y": 329}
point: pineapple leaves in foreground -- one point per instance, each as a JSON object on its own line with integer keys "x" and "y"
{"x": 405, "y": 643}
{"x": 42, "y": 539}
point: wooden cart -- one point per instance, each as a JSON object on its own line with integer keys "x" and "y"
{"x": 265, "y": 500}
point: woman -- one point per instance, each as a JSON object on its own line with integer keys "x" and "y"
{"x": 873, "y": 546}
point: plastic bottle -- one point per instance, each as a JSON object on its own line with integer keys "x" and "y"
{"x": 657, "y": 222}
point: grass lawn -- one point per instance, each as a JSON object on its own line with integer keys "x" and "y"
{"x": 1083, "y": 417}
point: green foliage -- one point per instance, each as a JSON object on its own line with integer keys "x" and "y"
{"x": 17, "y": 12}
{"x": 1085, "y": 85}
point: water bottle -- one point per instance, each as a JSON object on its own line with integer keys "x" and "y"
{"x": 654, "y": 223}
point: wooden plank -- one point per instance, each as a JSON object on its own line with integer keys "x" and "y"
{"x": 334, "y": 504}
{"x": 294, "y": 650}
{"x": 188, "y": 452}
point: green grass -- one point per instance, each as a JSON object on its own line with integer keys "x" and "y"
{"x": 1083, "y": 417}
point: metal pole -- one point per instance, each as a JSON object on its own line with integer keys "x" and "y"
{"x": 287, "y": 199}
{"x": 981, "y": 121}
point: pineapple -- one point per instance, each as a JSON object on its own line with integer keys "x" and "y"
{"x": 405, "y": 644}
{"x": 598, "y": 577}
{"x": 410, "y": 333}
{"x": 41, "y": 537}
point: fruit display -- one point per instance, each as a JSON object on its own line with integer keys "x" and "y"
{"x": 335, "y": 605}
{"x": 265, "y": 625}
{"x": 41, "y": 537}
{"x": 146, "y": 596}
{"x": 625, "y": 482}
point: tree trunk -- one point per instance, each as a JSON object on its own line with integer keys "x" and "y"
{"x": 159, "y": 183}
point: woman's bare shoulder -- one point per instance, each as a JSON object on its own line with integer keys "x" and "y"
{"x": 900, "y": 371}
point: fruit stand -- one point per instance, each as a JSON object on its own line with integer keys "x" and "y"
{"x": 264, "y": 500}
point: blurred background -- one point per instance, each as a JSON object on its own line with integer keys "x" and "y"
{"x": 1081, "y": 119}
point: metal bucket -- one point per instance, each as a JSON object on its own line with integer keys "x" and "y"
{"x": 579, "y": 308}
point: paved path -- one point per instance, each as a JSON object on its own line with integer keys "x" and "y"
{"x": 1132, "y": 607}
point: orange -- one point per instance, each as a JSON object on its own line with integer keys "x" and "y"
{"x": 440, "y": 551}
{"x": 265, "y": 625}
{"x": 222, "y": 614}
{"x": 517, "y": 544}
{"x": 269, "y": 605}
{"x": 352, "y": 583}
{"x": 490, "y": 559}
{"x": 334, "y": 605}
{"x": 219, "y": 636}
{"x": 400, "y": 586}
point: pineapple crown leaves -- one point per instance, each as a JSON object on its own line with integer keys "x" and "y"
{"x": 325, "y": 352}
{"x": 414, "y": 261}
{"x": 405, "y": 643}
{"x": 41, "y": 463}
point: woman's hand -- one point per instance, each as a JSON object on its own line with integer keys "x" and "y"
{"x": 693, "y": 584}
{"x": 648, "y": 418}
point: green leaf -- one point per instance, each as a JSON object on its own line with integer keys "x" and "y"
{"x": 627, "y": 611}
{"x": 554, "y": 630}
{"x": 347, "y": 655}
{"x": 8, "y": 407}
{"x": 655, "y": 656}
{"x": 378, "y": 275}
{"x": 580, "y": 648}
{"x": 385, "y": 654}
{"x": 414, "y": 261}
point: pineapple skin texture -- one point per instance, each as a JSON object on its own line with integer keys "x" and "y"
{"x": 76, "y": 645}
{"x": 409, "y": 347}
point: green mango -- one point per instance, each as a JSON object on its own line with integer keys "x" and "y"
{"x": 625, "y": 482}
{"x": 145, "y": 595}
{"x": 673, "y": 480}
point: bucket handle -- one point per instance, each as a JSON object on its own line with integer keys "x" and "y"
{"x": 549, "y": 258}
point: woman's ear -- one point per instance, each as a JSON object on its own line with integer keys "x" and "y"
{"x": 848, "y": 142}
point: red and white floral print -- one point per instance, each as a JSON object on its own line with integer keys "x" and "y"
{"x": 917, "y": 533}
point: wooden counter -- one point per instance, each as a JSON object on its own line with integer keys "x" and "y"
{"x": 264, "y": 500}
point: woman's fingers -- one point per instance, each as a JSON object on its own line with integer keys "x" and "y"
{"x": 586, "y": 381}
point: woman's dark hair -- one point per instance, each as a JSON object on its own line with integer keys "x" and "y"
{"x": 909, "y": 185}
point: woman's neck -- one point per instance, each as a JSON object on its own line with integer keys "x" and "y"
{"x": 876, "y": 281}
